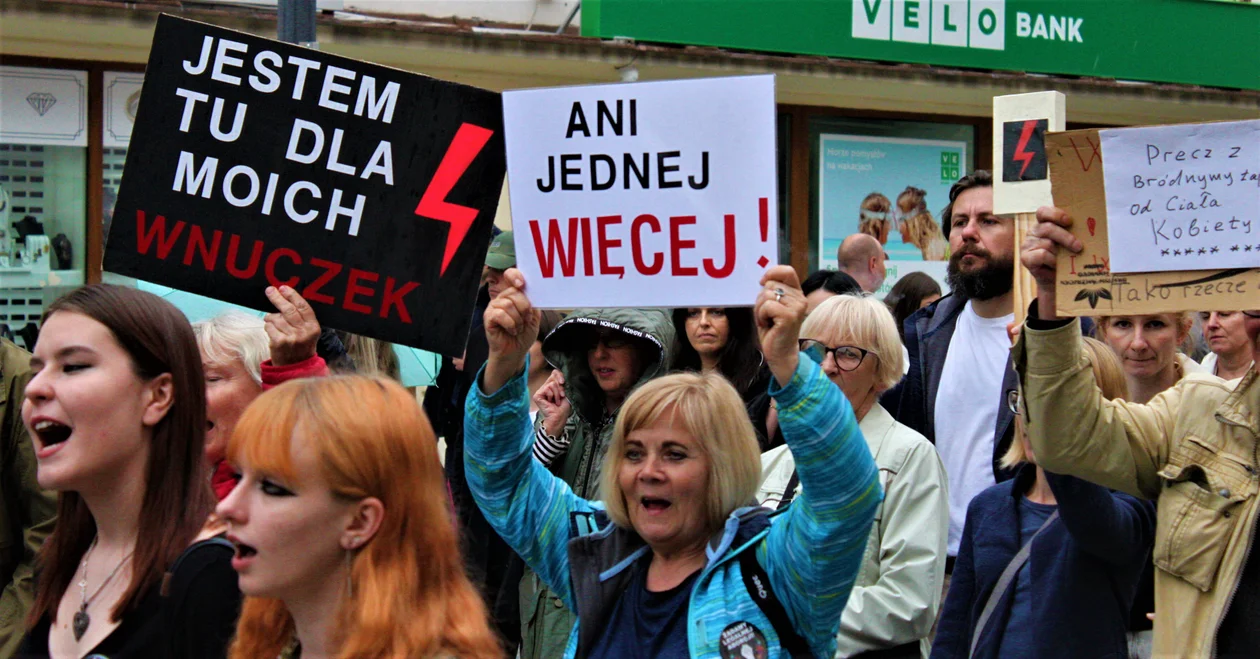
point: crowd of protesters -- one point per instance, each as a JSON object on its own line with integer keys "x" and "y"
{"x": 821, "y": 473}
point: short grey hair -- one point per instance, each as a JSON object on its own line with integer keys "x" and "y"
{"x": 235, "y": 335}
{"x": 865, "y": 322}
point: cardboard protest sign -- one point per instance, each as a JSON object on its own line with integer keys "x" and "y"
{"x": 1087, "y": 285}
{"x": 653, "y": 194}
{"x": 371, "y": 191}
{"x": 1178, "y": 196}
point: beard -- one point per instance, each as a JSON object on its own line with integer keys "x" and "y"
{"x": 995, "y": 278}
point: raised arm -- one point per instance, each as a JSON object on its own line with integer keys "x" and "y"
{"x": 1115, "y": 528}
{"x": 1072, "y": 428}
{"x": 525, "y": 504}
{"x": 813, "y": 550}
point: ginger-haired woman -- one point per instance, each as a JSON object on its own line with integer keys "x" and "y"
{"x": 345, "y": 543}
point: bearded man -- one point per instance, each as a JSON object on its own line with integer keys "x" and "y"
{"x": 960, "y": 365}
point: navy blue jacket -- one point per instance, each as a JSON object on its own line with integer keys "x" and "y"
{"x": 913, "y": 401}
{"x": 1084, "y": 568}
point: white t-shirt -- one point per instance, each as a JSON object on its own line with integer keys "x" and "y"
{"x": 967, "y": 404}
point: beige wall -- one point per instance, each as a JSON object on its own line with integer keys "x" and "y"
{"x": 506, "y": 61}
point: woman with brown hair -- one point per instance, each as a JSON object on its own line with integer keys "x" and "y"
{"x": 345, "y": 542}
{"x": 117, "y": 414}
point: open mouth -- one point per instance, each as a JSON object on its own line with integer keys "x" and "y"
{"x": 653, "y": 504}
{"x": 51, "y": 433}
{"x": 243, "y": 550}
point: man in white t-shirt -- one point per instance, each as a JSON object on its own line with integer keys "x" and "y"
{"x": 960, "y": 354}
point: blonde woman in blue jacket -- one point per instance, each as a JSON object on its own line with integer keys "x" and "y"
{"x": 671, "y": 563}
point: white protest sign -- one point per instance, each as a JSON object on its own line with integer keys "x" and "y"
{"x": 649, "y": 194}
{"x": 1183, "y": 197}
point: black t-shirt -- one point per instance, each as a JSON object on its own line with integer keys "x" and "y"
{"x": 1239, "y": 635}
{"x": 647, "y": 625}
{"x": 196, "y": 620}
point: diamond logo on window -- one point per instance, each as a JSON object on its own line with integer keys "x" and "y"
{"x": 42, "y": 102}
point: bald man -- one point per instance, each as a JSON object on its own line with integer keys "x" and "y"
{"x": 862, "y": 257}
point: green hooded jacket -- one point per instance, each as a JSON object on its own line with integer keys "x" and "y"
{"x": 545, "y": 622}
{"x": 28, "y": 513}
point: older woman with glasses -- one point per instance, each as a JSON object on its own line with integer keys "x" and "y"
{"x": 898, "y": 589}
{"x": 1049, "y": 565}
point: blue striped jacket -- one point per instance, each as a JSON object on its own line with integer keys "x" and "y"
{"x": 810, "y": 553}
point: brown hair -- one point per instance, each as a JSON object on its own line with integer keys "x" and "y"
{"x": 177, "y": 495}
{"x": 411, "y": 597}
{"x": 981, "y": 178}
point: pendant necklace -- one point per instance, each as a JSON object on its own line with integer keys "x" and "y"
{"x": 81, "y": 617}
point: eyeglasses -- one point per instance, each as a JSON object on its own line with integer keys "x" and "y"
{"x": 611, "y": 340}
{"x": 1014, "y": 401}
{"x": 846, "y": 358}
{"x": 1254, "y": 313}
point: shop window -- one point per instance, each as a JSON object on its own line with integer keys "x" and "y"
{"x": 43, "y": 193}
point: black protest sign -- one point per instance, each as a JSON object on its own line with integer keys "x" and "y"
{"x": 371, "y": 191}
{"x": 1024, "y": 150}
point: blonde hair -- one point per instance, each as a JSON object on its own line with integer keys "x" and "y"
{"x": 864, "y": 322}
{"x": 232, "y": 336}
{"x": 711, "y": 411}
{"x": 411, "y": 597}
{"x": 1108, "y": 375}
{"x": 1183, "y": 321}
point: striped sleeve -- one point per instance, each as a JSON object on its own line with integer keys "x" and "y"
{"x": 813, "y": 552}
{"x": 548, "y": 448}
{"x": 525, "y": 504}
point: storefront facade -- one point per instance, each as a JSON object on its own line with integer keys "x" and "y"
{"x": 879, "y": 134}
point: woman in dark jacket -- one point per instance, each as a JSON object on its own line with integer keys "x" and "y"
{"x": 723, "y": 339}
{"x": 1071, "y": 598}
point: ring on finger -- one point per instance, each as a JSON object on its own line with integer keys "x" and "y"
{"x": 778, "y": 294}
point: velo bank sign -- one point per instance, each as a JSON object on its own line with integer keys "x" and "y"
{"x": 1152, "y": 40}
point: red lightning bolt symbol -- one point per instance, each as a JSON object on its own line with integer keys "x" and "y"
{"x": 468, "y": 142}
{"x": 1020, "y": 154}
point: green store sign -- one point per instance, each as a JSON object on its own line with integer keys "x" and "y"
{"x": 1173, "y": 41}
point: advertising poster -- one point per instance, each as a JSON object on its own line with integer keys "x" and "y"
{"x": 893, "y": 188}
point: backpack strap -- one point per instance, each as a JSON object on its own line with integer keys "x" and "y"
{"x": 789, "y": 492}
{"x": 757, "y": 582}
{"x": 169, "y": 576}
{"x": 1004, "y": 583}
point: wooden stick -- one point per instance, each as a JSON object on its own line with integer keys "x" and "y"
{"x": 1024, "y": 288}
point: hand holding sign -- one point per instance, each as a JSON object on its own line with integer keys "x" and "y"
{"x": 779, "y": 312}
{"x": 511, "y": 328}
{"x": 294, "y": 331}
{"x": 1040, "y": 254}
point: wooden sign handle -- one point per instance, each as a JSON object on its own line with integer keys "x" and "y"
{"x": 1024, "y": 288}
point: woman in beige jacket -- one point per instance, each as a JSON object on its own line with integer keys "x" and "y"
{"x": 1195, "y": 448}
{"x": 898, "y": 589}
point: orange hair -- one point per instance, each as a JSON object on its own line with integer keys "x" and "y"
{"x": 411, "y": 597}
